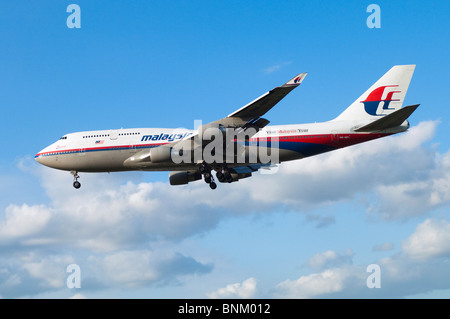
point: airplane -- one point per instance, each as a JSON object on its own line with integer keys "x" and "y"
{"x": 240, "y": 144}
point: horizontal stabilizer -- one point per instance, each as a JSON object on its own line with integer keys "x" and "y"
{"x": 389, "y": 121}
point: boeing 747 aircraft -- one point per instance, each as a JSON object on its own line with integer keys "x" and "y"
{"x": 238, "y": 145}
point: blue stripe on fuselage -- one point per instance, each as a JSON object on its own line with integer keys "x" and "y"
{"x": 306, "y": 149}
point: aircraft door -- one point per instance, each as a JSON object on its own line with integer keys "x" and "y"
{"x": 113, "y": 134}
{"x": 334, "y": 137}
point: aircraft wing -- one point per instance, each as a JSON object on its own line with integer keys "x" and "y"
{"x": 250, "y": 115}
{"x": 265, "y": 102}
{"x": 246, "y": 120}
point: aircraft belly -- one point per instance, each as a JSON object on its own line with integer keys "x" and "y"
{"x": 288, "y": 151}
{"x": 296, "y": 150}
{"x": 104, "y": 161}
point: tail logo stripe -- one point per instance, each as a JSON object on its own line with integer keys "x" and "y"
{"x": 373, "y": 100}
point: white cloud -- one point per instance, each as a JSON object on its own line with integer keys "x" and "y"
{"x": 51, "y": 270}
{"x": 440, "y": 193}
{"x": 421, "y": 267}
{"x": 130, "y": 267}
{"x": 321, "y": 221}
{"x": 427, "y": 188}
{"x": 329, "y": 259}
{"x": 40, "y": 273}
{"x": 143, "y": 267}
{"x": 431, "y": 239}
{"x": 272, "y": 69}
{"x": 78, "y": 296}
{"x": 23, "y": 221}
{"x": 106, "y": 214}
{"x": 107, "y": 217}
{"x": 383, "y": 247}
{"x": 276, "y": 67}
{"x": 117, "y": 216}
{"x": 317, "y": 284}
{"x": 246, "y": 289}
{"x": 399, "y": 177}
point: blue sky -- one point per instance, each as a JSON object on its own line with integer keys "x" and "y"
{"x": 308, "y": 231}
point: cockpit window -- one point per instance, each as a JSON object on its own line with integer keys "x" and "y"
{"x": 63, "y": 138}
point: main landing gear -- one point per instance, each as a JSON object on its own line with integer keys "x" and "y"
{"x": 223, "y": 175}
{"x": 206, "y": 172}
{"x": 76, "y": 183}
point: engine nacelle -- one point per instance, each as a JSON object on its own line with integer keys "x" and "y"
{"x": 161, "y": 154}
{"x": 231, "y": 177}
{"x": 239, "y": 176}
{"x": 182, "y": 178}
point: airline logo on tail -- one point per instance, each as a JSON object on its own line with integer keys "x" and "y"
{"x": 373, "y": 100}
{"x": 297, "y": 79}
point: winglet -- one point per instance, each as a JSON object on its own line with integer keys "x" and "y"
{"x": 296, "y": 80}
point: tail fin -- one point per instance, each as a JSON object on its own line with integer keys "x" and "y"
{"x": 382, "y": 98}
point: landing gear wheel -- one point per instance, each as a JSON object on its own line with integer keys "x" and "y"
{"x": 76, "y": 183}
{"x": 203, "y": 169}
{"x": 220, "y": 177}
{"x": 228, "y": 177}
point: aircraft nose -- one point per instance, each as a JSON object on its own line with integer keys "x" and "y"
{"x": 39, "y": 158}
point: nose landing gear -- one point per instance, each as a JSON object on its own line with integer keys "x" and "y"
{"x": 76, "y": 183}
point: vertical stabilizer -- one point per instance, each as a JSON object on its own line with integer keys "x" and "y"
{"x": 382, "y": 98}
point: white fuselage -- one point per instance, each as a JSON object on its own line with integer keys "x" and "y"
{"x": 106, "y": 151}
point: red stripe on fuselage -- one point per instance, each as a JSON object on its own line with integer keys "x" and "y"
{"x": 333, "y": 140}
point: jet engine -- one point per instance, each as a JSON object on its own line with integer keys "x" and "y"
{"x": 182, "y": 178}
